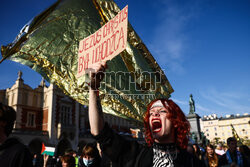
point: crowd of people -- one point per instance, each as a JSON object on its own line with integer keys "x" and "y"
{"x": 230, "y": 156}
{"x": 90, "y": 156}
{"x": 209, "y": 156}
{"x": 166, "y": 140}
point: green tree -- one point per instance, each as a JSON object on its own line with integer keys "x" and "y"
{"x": 216, "y": 140}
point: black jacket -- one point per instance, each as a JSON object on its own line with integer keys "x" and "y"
{"x": 14, "y": 154}
{"x": 125, "y": 153}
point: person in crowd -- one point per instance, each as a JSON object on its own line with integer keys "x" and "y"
{"x": 76, "y": 158}
{"x": 73, "y": 153}
{"x": 68, "y": 161}
{"x": 58, "y": 161}
{"x": 245, "y": 151}
{"x": 166, "y": 132}
{"x": 197, "y": 151}
{"x": 232, "y": 157}
{"x": 190, "y": 149}
{"x": 224, "y": 148}
{"x": 90, "y": 156}
{"x": 13, "y": 153}
{"x": 203, "y": 151}
{"x": 34, "y": 159}
{"x": 219, "y": 149}
{"x": 68, "y": 151}
{"x": 38, "y": 159}
{"x": 105, "y": 161}
{"x": 211, "y": 159}
{"x": 49, "y": 161}
{"x": 53, "y": 161}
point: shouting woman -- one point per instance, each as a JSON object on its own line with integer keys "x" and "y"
{"x": 166, "y": 133}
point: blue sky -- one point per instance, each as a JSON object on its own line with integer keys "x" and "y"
{"x": 203, "y": 46}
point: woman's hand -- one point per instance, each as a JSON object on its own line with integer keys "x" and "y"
{"x": 96, "y": 74}
{"x": 45, "y": 159}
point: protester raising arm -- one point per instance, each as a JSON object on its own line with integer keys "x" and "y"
{"x": 166, "y": 134}
{"x": 96, "y": 120}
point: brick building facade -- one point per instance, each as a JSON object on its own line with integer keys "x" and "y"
{"x": 46, "y": 115}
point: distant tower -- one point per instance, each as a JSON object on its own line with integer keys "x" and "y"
{"x": 194, "y": 120}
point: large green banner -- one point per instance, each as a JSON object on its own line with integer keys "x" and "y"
{"x": 49, "y": 45}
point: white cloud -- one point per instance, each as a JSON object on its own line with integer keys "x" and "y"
{"x": 205, "y": 110}
{"x": 181, "y": 102}
{"x": 170, "y": 41}
{"x": 228, "y": 102}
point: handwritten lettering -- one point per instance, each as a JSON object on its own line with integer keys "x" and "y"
{"x": 105, "y": 43}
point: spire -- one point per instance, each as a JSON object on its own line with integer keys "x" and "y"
{"x": 20, "y": 74}
{"x": 19, "y": 81}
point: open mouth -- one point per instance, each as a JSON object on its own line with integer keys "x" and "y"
{"x": 156, "y": 125}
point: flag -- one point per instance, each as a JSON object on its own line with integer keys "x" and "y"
{"x": 49, "y": 45}
{"x": 49, "y": 151}
{"x": 43, "y": 148}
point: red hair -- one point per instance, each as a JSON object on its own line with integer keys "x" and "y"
{"x": 178, "y": 119}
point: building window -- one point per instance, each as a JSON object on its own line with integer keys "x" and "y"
{"x": 223, "y": 134}
{"x": 215, "y": 134}
{"x": 31, "y": 118}
{"x": 207, "y": 134}
{"x": 65, "y": 115}
{"x": 207, "y": 130}
{"x": 215, "y": 128}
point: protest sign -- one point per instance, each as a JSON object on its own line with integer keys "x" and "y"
{"x": 105, "y": 43}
